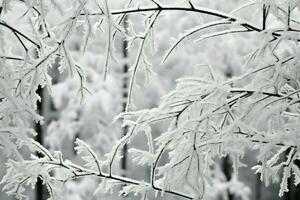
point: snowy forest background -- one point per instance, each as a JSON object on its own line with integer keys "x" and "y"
{"x": 82, "y": 103}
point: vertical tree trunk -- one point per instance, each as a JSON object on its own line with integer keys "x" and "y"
{"x": 125, "y": 94}
{"x": 39, "y": 191}
{"x": 47, "y": 110}
{"x": 258, "y": 186}
{"x": 226, "y": 162}
{"x": 227, "y": 170}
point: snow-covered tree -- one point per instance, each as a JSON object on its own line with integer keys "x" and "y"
{"x": 205, "y": 117}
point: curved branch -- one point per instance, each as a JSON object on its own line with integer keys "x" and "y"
{"x": 191, "y": 32}
{"x": 140, "y": 52}
{"x": 201, "y": 10}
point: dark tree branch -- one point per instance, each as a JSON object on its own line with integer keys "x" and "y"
{"x": 12, "y": 58}
{"x": 81, "y": 172}
{"x": 16, "y": 32}
{"x": 201, "y": 10}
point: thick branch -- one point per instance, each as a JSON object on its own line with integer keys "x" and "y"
{"x": 81, "y": 172}
{"x": 201, "y": 10}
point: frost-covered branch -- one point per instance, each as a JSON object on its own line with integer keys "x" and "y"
{"x": 72, "y": 171}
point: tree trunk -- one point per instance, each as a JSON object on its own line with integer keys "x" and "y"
{"x": 125, "y": 95}
{"x": 39, "y": 191}
{"x": 258, "y": 186}
{"x": 227, "y": 170}
{"x": 226, "y": 162}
